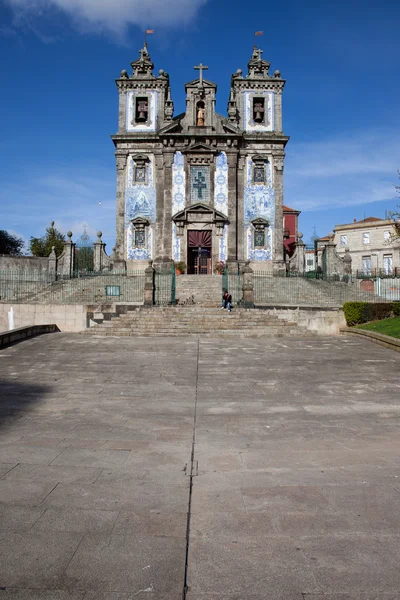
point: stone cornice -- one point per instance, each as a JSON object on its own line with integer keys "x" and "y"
{"x": 266, "y": 138}
{"x": 124, "y": 85}
{"x": 276, "y": 85}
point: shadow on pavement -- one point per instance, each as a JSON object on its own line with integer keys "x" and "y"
{"x": 16, "y": 399}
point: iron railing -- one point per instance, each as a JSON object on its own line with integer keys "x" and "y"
{"x": 232, "y": 283}
{"x": 164, "y": 287}
{"x": 44, "y": 288}
{"x": 294, "y": 291}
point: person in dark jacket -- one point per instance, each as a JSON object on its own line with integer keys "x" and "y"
{"x": 227, "y": 301}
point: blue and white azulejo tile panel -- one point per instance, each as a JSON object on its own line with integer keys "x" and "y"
{"x": 178, "y": 183}
{"x": 250, "y": 124}
{"x": 259, "y": 254}
{"x": 176, "y": 244}
{"x": 223, "y": 253}
{"x": 259, "y": 201}
{"x": 139, "y": 253}
{"x": 140, "y": 201}
{"x": 151, "y": 124}
{"x": 221, "y": 184}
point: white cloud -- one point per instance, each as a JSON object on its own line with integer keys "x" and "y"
{"x": 350, "y": 170}
{"x": 110, "y": 15}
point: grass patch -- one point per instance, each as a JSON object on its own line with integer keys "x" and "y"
{"x": 387, "y": 327}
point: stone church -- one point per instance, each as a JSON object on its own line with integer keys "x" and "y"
{"x": 200, "y": 187}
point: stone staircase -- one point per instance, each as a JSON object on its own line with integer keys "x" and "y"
{"x": 174, "y": 321}
{"x": 203, "y": 290}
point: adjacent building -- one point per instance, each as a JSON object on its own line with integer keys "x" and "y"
{"x": 371, "y": 245}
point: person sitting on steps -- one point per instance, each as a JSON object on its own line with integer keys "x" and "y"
{"x": 227, "y": 301}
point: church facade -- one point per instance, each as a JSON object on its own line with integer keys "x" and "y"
{"x": 199, "y": 187}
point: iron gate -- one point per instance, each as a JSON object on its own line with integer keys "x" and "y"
{"x": 232, "y": 283}
{"x": 164, "y": 288}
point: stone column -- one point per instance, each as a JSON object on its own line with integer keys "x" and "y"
{"x": 232, "y": 251}
{"x": 167, "y": 208}
{"x": 242, "y": 243}
{"x": 120, "y": 221}
{"x": 159, "y": 226}
{"x": 247, "y": 286}
{"x": 68, "y": 256}
{"x": 330, "y": 257}
{"x": 53, "y": 263}
{"x": 149, "y": 286}
{"x": 278, "y": 111}
{"x": 98, "y": 252}
{"x": 279, "y": 263}
{"x": 300, "y": 249}
{"x": 122, "y": 111}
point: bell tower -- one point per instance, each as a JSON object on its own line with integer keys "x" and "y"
{"x": 145, "y": 105}
{"x": 200, "y": 104}
{"x": 255, "y": 107}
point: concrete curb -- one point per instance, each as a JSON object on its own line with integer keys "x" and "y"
{"x": 378, "y": 338}
{"x": 7, "y": 338}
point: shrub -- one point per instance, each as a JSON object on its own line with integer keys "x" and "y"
{"x": 355, "y": 313}
{"x": 362, "y": 312}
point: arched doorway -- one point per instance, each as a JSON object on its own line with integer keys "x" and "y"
{"x": 199, "y": 247}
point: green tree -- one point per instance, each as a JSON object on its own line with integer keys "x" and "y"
{"x": 10, "y": 244}
{"x": 43, "y": 246}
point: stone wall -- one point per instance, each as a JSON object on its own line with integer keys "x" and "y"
{"x": 23, "y": 263}
{"x": 319, "y": 320}
{"x": 67, "y": 317}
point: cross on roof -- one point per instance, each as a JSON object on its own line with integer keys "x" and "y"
{"x": 201, "y": 68}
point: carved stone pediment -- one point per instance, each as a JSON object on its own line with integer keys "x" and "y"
{"x": 260, "y": 223}
{"x": 259, "y": 158}
{"x": 140, "y": 159}
{"x": 200, "y": 213}
{"x": 199, "y": 148}
{"x": 140, "y": 222}
{"x": 193, "y": 212}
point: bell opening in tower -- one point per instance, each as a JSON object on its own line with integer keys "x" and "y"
{"x": 258, "y": 110}
{"x": 142, "y": 110}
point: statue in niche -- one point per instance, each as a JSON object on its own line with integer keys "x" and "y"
{"x": 200, "y": 114}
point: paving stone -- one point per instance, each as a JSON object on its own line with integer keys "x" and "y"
{"x": 35, "y": 559}
{"x": 115, "y": 563}
{"x": 92, "y": 521}
{"x": 91, "y": 458}
{"x": 19, "y": 518}
{"x": 20, "y": 594}
{"x": 296, "y": 490}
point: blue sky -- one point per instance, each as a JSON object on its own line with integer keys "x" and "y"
{"x": 58, "y": 102}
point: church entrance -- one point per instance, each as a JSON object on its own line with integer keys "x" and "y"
{"x": 199, "y": 252}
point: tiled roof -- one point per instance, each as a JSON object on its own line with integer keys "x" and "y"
{"x": 288, "y": 209}
{"x": 369, "y": 219}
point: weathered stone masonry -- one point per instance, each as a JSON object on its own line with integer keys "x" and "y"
{"x": 200, "y": 187}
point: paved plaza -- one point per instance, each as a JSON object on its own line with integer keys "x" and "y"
{"x": 285, "y": 453}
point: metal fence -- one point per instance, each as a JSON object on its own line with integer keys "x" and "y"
{"x": 35, "y": 287}
{"x": 164, "y": 287}
{"x": 289, "y": 291}
{"x": 233, "y": 283}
